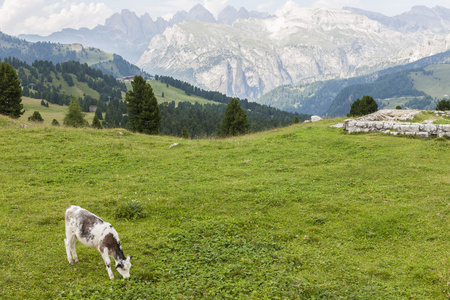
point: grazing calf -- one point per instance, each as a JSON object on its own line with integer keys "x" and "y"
{"x": 93, "y": 232}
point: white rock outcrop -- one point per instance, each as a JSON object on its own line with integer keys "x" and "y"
{"x": 387, "y": 121}
{"x": 316, "y": 119}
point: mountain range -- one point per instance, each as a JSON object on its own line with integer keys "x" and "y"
{"x": 253, "y": 56}
{"x": 249, "y": 54}
{"x": 129, "y": 35}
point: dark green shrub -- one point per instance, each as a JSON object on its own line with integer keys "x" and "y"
{"x": 443, "y": 105}
{"x": 36, "y": 117}
{"x": 184, "y": 133}
{"x": 363, "y": 107}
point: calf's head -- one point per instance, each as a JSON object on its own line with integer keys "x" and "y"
{"x": 124, "y": 266}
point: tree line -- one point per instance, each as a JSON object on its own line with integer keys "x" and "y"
{"x": 273, "y": 117}
{"x": 38, "y": 81}
{"x": 197, "y": 120}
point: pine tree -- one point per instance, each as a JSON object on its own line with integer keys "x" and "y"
{"x": 10, "y": 92}
{"x": 368, "y": 105}
{"x": 363, "y": 107}
{"x": 234, "y": 121}
{"x": 184, "y": 133}
{"x": 55, "y": 122}
{"x": 354, "y": 109}
{"x": 443, "y": 105}
{"x": 98, "y": 113}
{"x": 143, "y": 109}
{"x": 296, "y": 120}
{"x": 74, "y": 116}
{"x": 96, "y": 123}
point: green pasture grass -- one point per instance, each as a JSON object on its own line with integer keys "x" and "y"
{"x": 173, "y": 94}
{"x": 53, "y": 111}
{"x": 435, "y": 85}
{"x": 303, "y": 212}
{"x": 392, "y": 103}
{"x": 79, "y": 89}
{"x": 92, "y": 56}
{"x": 429, "y": 115}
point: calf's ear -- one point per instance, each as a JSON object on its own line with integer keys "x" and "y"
{"x": 130, "y": 257}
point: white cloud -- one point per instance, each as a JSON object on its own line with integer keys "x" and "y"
{"x": 266, "y": 6}
{"x": 42, "y": 17}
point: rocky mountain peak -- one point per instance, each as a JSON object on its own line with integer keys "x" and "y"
{"x": 228, "y": 15}
{"x": 200, "y": 13}
{"x": 243, "y": 13}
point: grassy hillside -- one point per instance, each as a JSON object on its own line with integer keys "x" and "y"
{"x": 57, "y": 53}
{"x": 173, "y": 94}
{"x": 53, "y": 111}
{"x": 434, "y": 82}
{"x": 296, "y": 213}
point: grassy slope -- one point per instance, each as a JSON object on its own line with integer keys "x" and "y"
{"x": 173, "y": 94}
{"x": 79, "y": 89}
{"x": 295, "y": 213}
{"x": 436, "y": 85}
{"x": 92, "y": 56}
{"x": 53, "y": 111}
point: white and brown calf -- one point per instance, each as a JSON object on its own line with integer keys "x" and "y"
{"x": 93, "y": 232}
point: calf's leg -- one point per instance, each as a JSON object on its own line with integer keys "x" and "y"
{"x": 69, "y": 256}
{"x": 69, "y": 241}
{"x": 105, "y": 256}
{"x": 72, "y": 248}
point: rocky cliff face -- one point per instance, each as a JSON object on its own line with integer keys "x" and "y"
{"x": 253, "y": 56}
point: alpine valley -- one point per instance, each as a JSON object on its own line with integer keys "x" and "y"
{"x": 254, "y": 55}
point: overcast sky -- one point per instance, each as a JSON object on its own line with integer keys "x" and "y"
{"x": 46, "y": 16}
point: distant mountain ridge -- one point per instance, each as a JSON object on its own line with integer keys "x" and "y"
{"x": 111, "y": 64}
{"x": 419, "y": 18}
{"x": 128, "y": 35}
{"x": 333, "y": 97}
{"x": 123, "y": 33}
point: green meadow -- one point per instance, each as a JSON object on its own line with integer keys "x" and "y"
{"x": 53, "y": 111}
{"x": 303, "y": 212}
{"x": 434, "y": 84}
{"x": 172, "y": 94}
